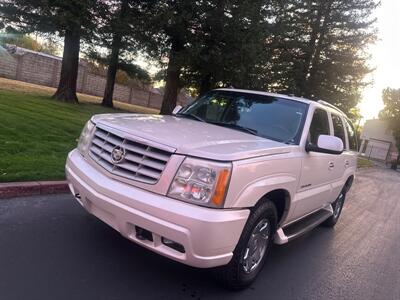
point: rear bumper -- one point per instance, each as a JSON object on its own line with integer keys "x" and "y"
{"x": 208, "y": 236}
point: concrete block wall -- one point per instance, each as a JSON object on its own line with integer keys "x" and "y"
{"x": 122, "y": 92}
{"x": 38, "y": 68}
{"x": 8, "y": 65}
{"x": 94, "y": 85}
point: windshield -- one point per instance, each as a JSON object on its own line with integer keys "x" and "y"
{"x": 270, "y": 117}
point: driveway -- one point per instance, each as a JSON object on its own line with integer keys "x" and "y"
{"x": 50, "y": 248}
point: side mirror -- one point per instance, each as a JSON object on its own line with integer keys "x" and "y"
{"x": 176, "y": 109}
{"x": 327, "y": 144}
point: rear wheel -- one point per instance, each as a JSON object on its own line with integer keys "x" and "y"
{"x": 337, "y": 209}
{"x": 252, "y": 249}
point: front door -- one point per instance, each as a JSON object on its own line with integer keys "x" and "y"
{"x": 314, "y": 188}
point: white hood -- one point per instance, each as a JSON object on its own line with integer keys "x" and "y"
{"x": 192, "y": 137}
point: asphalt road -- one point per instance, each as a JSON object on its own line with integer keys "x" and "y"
{"x": 50, "y": 248}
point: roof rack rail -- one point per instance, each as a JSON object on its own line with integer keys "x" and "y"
{"x": 331, "y": 106}
{"x": 287, "y": 93}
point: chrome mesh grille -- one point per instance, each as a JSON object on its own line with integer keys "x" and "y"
{"x": 141, "y": 162}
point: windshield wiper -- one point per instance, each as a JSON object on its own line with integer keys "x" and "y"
{"x": 288, "y": 142}
{"x": 191, "y": 116}
{"x": 238, "y": 127}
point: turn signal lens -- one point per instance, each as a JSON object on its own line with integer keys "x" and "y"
{"x": 221, "y": 187}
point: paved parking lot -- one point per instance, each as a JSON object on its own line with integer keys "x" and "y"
{"x": 50, "y": 248}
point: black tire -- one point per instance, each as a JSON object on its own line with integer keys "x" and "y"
{"x": 337, "y": 209}
{"x": 233, "y": 275}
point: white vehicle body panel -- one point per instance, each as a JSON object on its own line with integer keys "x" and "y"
{"x": 309, "y": 180}
{"x": 122, "y": 207}
{"x": 193, "y": 138}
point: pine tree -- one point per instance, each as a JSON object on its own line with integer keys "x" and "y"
{"x": 320, "y": 49}
{"x": 228, "y": 48}
{"x": 72, "y": 20}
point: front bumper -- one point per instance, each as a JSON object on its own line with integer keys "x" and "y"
{"x": 208, "y": 235}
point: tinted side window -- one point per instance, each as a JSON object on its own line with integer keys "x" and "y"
{"x": 352, "y": 136}
{"x": 319, "y": 125}
{"x": 338, "y": 128}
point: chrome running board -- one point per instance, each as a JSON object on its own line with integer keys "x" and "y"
{"x": 302, "y": 226}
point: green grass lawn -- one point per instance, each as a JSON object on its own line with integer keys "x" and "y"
{"x": 36, "y": 134}
{"x": 362, "y": 163}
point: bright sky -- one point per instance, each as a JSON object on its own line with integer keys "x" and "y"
{"x": 385, "y": 58}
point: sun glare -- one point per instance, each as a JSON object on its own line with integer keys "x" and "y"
{"x": 385, "y": 59}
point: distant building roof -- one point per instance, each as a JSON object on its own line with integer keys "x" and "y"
{"x": 377, "y": 129}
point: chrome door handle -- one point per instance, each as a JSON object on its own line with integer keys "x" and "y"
{"x": 331, "y": 165}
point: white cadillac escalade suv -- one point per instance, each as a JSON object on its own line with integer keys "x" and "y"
{"x": 221, "y": 180}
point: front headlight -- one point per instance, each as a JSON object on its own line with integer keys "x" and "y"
{"x": 86, "y": 136}
{"x": 201, "y": 182}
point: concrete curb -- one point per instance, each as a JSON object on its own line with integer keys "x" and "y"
{"x": 18, "y": 189}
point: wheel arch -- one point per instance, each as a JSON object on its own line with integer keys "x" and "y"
{"x": 279, "y": 188}
{"x": 281, "y": 199}
{"x": 349, "y": 183}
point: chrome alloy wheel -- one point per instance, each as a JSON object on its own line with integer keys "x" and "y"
{"x": 338, "y": 206}
{"x": 256, "y": 246}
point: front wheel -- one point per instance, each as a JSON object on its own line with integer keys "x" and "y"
{"x": 337, "y": 209}
{"x": 252, "y": 249}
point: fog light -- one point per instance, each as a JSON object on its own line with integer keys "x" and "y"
{"x": 143, "y": 234}
{"x": 174, "y": 245}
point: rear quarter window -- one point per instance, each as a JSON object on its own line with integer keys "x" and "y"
{"x": 338, "y": 128}
{"x": 351, "y": 133}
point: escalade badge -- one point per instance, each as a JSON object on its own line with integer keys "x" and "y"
{"x": 117, "y": 154}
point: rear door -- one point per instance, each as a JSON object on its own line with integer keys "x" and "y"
{"x": 314, "y": 190}
{"x": 351, "y": 151}
{"x": 342, "y": 161}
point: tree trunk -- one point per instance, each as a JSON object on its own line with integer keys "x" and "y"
{"x": 114, "y": 58}
{"x": 205, "y": 84}
{"x": 112, "y": 71}
{"x": 172, "y": 82}
{"x": 310, "y": 51}
{"x": 213, "y": 44}
{"x": 396, "y": 162}
{"x": 313, "y": 68}
{"x": 66, "y": 90}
